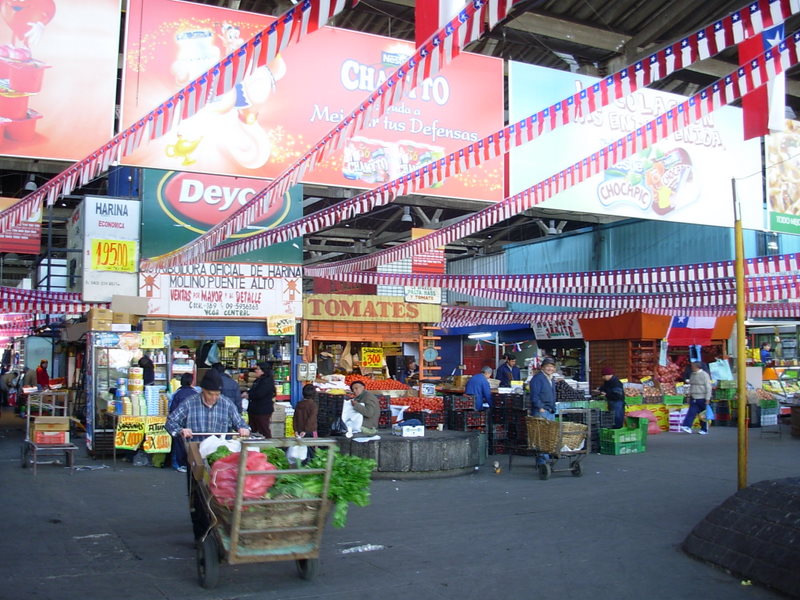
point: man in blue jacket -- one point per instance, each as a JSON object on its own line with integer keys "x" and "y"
{"x": 478, "y": 388}
{"x": 508, "y": 371}
{"x": 543, "y": 397}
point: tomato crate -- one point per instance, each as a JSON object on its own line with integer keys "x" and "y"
{"x": 465, "y": 419}
{"x": 619, "y": 448}
{"x": 458, "y": 403}
{"x": 385, "y": 419}
{"x": 384, "y": 402}
{"x": 428, "y": 419}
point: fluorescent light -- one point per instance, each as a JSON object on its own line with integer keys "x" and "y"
{"x": 480, "y": 336}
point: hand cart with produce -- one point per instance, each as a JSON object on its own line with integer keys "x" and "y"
{"x": 250, "y": 504}
{"x": 567, "y": 438}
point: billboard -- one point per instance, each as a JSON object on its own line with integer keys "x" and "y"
{"x": 105, "y": 231}
{"x": 179, "y": 206}
{"x": 276, "y": 114}
{"x": 25, "y": 238}
{"x": 58, "y": 73}
{"x": 684, "y": 178}
{"x": 783, "y": 179}
{"x": 238, "y": 291}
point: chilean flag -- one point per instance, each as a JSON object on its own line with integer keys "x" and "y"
{"x": 763, "y": 109}
{"x": 690, "y": 331}
{"x": 431, "y": 15}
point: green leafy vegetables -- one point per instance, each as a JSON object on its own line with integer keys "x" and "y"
{"x": 220, "y": 452}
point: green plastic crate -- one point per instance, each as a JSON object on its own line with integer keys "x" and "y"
{"x": 764, "y": 403}
{"x": 726, "y": 384}
{"x": 725, "y": 394}
{"x": 626, "y": 434}
{"x": 598, "y": 404}
{"x": 640, "y": 423}
{"x": 633, "y": 400}
{"x": 619, "y": 448}
{"x": 673, "y": 400}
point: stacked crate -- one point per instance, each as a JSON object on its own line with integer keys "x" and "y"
{"x": 385, "y": 418}
{"x": 330, "y": 409}
{"x": 431, "y": 420}
{"x": 631, "y": 439}
{"x": 769, "y": 412}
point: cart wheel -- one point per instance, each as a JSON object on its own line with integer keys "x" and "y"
{"x": 577, "y": 470}
{"x": 544, "y": 471}
{"x": 208, "y": 562}
{"x": 307, "y": 568}
{"x": 199, "y": 517}
{"x": 24, "y": 455}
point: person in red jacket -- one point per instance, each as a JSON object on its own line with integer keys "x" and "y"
{"x": 42, "y": 378}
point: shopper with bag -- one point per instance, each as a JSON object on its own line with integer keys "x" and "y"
{"x": 699, "y": 396}
{"x": 614, "y": 394}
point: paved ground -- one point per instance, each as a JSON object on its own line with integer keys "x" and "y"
{"x": 612, "y": 534}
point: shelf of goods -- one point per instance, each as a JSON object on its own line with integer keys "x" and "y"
{"x": 182, "y": 362}
{"x": 632, "y": 359}
{"x": 243, "y": 360}
{"x": 783, "y": 381}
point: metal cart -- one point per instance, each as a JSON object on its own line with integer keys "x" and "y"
{"x": 259, "y": 530}
{"x": 41, "y": 405}
{"x": 567, "y": 438}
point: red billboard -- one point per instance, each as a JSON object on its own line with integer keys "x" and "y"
{"x": 58, "y": 73}
{"x": 278, "y": 112}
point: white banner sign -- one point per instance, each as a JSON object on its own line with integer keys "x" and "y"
{"x": 224, "y": 291}
{"x": 425, "y": 295}
{"x": 557, "y": 330}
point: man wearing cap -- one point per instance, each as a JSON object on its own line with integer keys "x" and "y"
{"x": 508, "y": 371}
{"x": 612, "y": 389}
{"x": 543, "y": 397}
{"x": 206, "y": 411}
{"x": 366, "y": 404}
{"x": 479, "y": 390}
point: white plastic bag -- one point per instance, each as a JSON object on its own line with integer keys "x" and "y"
{"x": 297, "y": 454}
{"x": 211, "y": 443}
{"x": 352, "y": 418}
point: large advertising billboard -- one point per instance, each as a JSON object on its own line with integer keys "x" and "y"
{"x": 684, "y": 178}
{"x": 277, "y": 113}
{"x": 179, "y": 206}
{"x": 58, "y": 74}
{"x": 782, "y": 158}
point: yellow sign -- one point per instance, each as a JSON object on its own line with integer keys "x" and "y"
{"x": 152, "y": 339}
{"x": 156, "y": 438}
{"x": 130, "y": 433}
{"x": 114, "y": 255}
{"x": 341, "y": 307}
{"x": 232, "y": 341}
{"x": 372, "y": 357}
{"x": 281, "y": 325}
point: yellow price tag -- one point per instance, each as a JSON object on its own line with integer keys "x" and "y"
{"x": 232, "y": 341}
{"x": 114, "y": 255}
{"x": 152, "y": 339}
{"x": 371, "y": 356}
{"x": 281, "y": 324}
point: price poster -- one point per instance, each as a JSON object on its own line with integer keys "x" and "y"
{"x": 156, "y": 438}
{"x": 152, "y": 339}
{"x": 281, "y": 324}
{"x": 371, "y": 356}
{"x": 114, "y": 255}
{"x": 232, "y": 341}
{"x": 130, "y": 433}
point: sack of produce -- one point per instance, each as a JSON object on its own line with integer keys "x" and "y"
{"x": 224, "y": 474}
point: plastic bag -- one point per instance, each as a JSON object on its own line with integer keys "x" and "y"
{"x": 709, "y": 413}
{"x": 297, "y": 454}
{"x": 225, "y": 471}
{"x": 352, "y": 418}
{"x": 140, "y": 459}
{"x": 720, "y": 370}
{"x": 338, "y": 427}
{"x": 652, "y": 420}
{"x": 212, "y": 442}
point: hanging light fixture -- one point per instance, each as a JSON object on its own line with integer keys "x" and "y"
{"x": 406, "y": 218}
{"x": 30, "y": 185}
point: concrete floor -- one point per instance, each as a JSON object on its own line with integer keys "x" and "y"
{"x": 614, "y": 533}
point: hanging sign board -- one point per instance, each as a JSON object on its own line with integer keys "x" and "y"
{"x": 156, "y": 438}
{"x": 372, "y": 357}
{"x": 130, "y": 433}
{"x": 232, "y": 341}
{"x": 566, "y": 329}
{"x": 152, "y": 339}
{"x": 281, "y": 324}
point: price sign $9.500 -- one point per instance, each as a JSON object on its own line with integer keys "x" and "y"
{"x": 114, "y": 255}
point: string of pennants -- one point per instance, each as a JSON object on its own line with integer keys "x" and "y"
{"x": 697, "y": 46}
{"x": 15, "y": 300}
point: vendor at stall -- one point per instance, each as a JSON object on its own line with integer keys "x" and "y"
{"x": 479, "y": 390}
{"x": 508, "y": 371}
{"x": 614, "y": 394}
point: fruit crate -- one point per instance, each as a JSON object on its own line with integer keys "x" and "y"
{"x": 458, "y": 403}
{"x": 620, "y": 448}
{"x": 384, "y": 402}
{"x": 633, "y": 400}
{"x": 465, "y": 419}
{"x": 428, "y": 419}
{"x": 385, "y": 419}
{"x": 725, "y": 393}
{"x": 764, "y": 403}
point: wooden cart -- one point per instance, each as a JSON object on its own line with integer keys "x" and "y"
{"x": 256, "y": 530}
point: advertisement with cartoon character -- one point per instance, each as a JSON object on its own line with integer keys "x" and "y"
{"x": 685, "y": 177}
{"x": 277, "y": 113}
{"x": 58, "y": 71}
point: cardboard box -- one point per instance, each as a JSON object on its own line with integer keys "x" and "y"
{"x": 125, "y": 319}
{"x": 152, "y": 325}
{"x": 98, "y": 325}
{"x": 51, "y": 437}
{"x": 408, "y": 430}
{"x": 103, "y": 314}
{"x": 50, "y": 423}
{"x": 135, "y": 305}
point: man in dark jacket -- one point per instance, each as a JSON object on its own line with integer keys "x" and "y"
{"x": 260, "y": 397}
{"x": 612, "y": 389}
{"x": 230, "y": 389}
{"x": 543, "y": 397}
{"x": 508, "y": 371}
